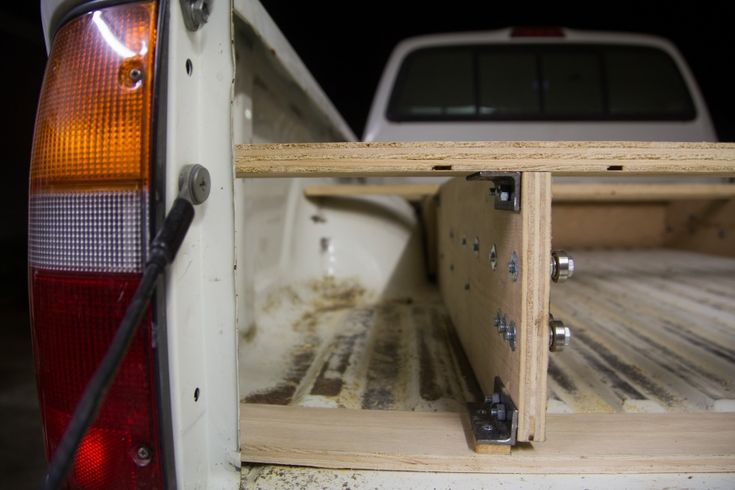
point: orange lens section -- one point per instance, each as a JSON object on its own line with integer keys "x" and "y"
{"x": 93, "y": 121}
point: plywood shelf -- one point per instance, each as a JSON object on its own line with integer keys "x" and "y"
{"x": 461, "y": 158}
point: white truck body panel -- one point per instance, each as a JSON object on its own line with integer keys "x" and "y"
{"x": 380, "y": 128}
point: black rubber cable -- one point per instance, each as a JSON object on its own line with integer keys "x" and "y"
{"x": 162, "y": 252}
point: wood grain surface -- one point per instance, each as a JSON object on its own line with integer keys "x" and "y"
{"x": 459, "y": 158}
{"x": 436, "y": 441}
{"x": 474, "y": 291}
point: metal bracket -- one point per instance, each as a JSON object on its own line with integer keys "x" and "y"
{"x": 506, "y": 188}
{"x": 494, "y": 421}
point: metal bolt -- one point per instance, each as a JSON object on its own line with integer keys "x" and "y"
{"x": 513, "y": 266}
{"x": 498, "y": 411}
{"x": 500, "y": 323}
{"x": 194, "y": 183}
{"x": 136, "y": 74}
{"x": 142, "y": 456}
{"x": 195, "y": 13}
{"x": 476, "y": 245}
{"x": 562, "y": 266}
{"x": 560, "y": 335}
{"x": 510, "y": 335}
{"x": 493, "y": 257}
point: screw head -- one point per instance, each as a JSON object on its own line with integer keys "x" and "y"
{"x": 143, "y": 456}
{"x": 136, "y": 74}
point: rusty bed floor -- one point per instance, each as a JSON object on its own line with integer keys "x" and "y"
{"x": 654, "y": 330}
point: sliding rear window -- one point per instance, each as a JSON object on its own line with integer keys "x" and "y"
{"x": 540, "y": 82}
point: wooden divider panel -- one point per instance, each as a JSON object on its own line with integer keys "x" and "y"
{"x": 469, "y": 229}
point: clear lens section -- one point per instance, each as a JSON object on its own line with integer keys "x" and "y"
{"x": 88, "y": 231}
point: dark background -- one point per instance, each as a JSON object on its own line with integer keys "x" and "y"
{"x": 345, "y": 45}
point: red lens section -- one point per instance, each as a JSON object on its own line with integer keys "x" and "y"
{"x": 75, "y": 317}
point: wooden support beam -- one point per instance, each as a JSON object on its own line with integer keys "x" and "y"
{"x": 411, "y": 192}
{"x": 436, "y": 441}
{"x": 583, "y": 192}
{"x": 461, "y": 158}
{"x": 470, "y": 230}
{"x": 562, "y": 192}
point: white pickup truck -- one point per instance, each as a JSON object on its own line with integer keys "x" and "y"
{"x": 299, "y": 339}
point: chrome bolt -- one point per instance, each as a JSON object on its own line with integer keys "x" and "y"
{"x": 513, "y": 267}
{"x": 562, "y": 266}
{"x": 560, "y": 335}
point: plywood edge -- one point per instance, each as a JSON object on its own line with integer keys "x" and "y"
{"x": 411, "y": 192}
{"x": 429, "y": 441}
{"x": 535, "y": 263}
{"x": 583, "y": 192}
{"x": 461, "y": 158}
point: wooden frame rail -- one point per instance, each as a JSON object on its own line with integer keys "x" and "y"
{"x": 460, "y": 158}
{"x": 436, "y": 441}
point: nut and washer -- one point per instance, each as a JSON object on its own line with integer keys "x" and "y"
{"x": 195, "y": 13}
{"x": 560, "y": 335}
{"x": 562, "y": 266}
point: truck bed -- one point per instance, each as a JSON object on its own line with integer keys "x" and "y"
{"x": 654, "y": 331}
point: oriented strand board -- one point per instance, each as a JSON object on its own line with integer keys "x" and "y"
{"x": 460, "y": 158}
{"x": 436, "y": 441}
{"x": 473, "y": 291}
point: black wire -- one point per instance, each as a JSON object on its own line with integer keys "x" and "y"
{"x": 163, "y": 250}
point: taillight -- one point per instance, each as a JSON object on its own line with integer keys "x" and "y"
{"x": 88, "y": 230}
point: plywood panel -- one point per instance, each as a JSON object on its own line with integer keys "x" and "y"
{"x": 600, "y": 192}
{"x": 411, "y": 192}
{"x": 702, "y": 226}
{"x": 460, "y": 158}
{"x": 436, "y": 441}
{"x": 608, "y": 225}
{"x": 474, "y": 291}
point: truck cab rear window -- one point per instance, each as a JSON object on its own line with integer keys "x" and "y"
{"x": 539, "y": 82}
